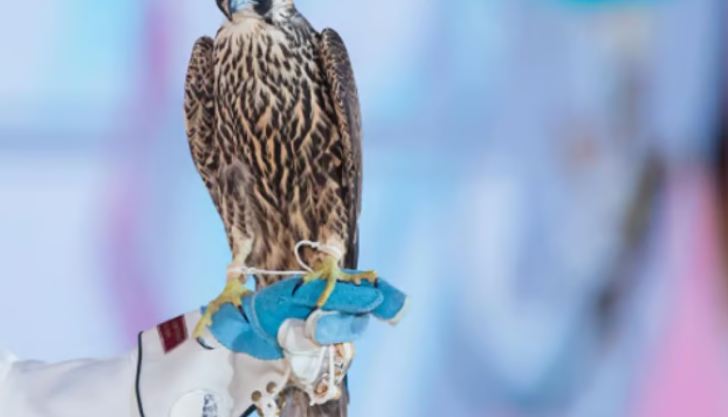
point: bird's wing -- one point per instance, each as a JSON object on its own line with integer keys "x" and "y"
{"x": 340, "y": 77}
{"x": 200, "y": 115}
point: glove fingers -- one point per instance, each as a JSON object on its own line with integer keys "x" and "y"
{"x": 328, "y": 328}
{"x": 394, "y": 303}
{"x": 346, "y": 297}
{"x": 234, "y": 331}
{"x": 227, "y": 325}
{"x": 383, "y": 300}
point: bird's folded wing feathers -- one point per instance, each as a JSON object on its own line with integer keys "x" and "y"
{"x": 340, "y": 76}
{"x": 200, "y": 115}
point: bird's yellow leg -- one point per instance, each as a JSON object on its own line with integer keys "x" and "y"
{"x": 232, "y": 294}
{"x": 329, "y": 270}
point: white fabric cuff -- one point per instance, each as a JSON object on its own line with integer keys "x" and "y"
{"x": 178, "y": 377}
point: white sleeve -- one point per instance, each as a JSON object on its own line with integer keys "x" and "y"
{"x": 180, "y": 378}
{"x": 168, "y": 375}
{"x": 71, "y": 389}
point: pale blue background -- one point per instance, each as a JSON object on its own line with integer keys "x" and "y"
{"x": 503, "y": 139}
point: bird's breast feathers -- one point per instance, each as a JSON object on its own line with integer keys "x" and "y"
{"x": 275, "y": 117}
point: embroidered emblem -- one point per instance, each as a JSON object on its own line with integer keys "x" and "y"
{"x": 209, "y": 408}
{"x": 172, "y": 333}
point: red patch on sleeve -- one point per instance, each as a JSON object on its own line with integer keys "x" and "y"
{"x": 172, "y": 333}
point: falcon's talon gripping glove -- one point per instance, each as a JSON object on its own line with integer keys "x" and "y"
{"x": 282, "y": 322}
{"x": 278, "y": 336}
{"x": 255, "y": 328}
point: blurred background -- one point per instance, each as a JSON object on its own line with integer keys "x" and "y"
{"x": 547, "y": 179}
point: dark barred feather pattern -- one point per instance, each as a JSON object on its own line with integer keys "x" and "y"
{"x": 340, "y": 77}
{"x": 200, "y": 115}
{"x": 274, "y": 128}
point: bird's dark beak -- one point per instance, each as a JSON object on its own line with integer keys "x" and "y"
{"x": 226, "y": 8}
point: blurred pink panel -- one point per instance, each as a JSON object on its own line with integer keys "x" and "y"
{"x": 688, "y": 376}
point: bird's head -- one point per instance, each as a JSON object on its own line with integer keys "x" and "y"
{"x": 261, "y": 7}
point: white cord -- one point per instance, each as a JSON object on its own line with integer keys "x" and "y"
{"x": 331, "y": 250}
{"x": 332, "y": 368}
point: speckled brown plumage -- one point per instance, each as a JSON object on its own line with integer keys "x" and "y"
{"x": 274, "y": 129}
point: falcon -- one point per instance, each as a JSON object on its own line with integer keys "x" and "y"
{"x": 274, "y": 128}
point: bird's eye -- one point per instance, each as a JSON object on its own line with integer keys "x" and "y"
{"x": 262, "y": 6}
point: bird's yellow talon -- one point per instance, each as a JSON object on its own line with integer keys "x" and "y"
{"x": 329, "y": 270}
{"x": 308, "y": 278}
{"x": 357, "y": 279}
{"x": 232, "y": 294}
{"x": 202, "y": 324}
